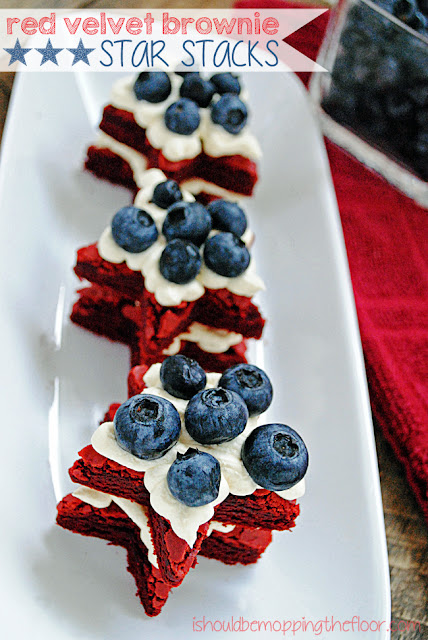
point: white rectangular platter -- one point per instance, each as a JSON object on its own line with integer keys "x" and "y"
{"x": 57, "y": 381}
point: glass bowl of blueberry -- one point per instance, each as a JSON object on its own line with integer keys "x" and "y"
{"x": 374, "y": 100}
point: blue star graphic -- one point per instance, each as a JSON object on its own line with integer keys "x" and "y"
{"x": 49, "y": 53}
{"x": 81, "y": 54}
{"x": 17, "y": 53}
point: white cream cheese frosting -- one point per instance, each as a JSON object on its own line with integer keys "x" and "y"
{"x": 235, "y": 479}
{"x": 169, "y": 293}
{"x": 174, "y": 146}
{"x": 219, "y": 526}
{"x": 208, "y": 339}
{"x": 138, "y": 163}
{"x": 198, "y": 185}
{"x": 218, "y": 142}
{"x": 135, "y": 512}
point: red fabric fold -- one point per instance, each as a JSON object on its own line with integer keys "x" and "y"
{"x": 386, "y": 237}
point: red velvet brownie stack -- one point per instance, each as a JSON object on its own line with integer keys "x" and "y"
{"x": 170, "y": 275}
{"x": 193, "y": 128}
{"x": 182, "y": 468}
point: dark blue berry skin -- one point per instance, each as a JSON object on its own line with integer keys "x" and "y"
{"x": 419, "y": 23}
{"x": 134, "y": 229}
{"x": 166, "y": 193}
{"x": 147, "y": 426}
{"x": 215, "y": 415}
{"x": 387, "y": 72}
{"x": 226, "y": 83}
{"x": 188, "y": 221}
{"x": 251, "y": 383}
{"x": 153, "y": 86}
{"x": 194, "y": 478}
{"x": 226, "y": 254}
{"x": 227, "y": 216}
{"x": 180, "y": 261}
{"x": 182, "y": 377}
{"x": 405, "y": 10}
{"x": 275, "y": 456}
{"x": 421, "y": 144}
{"x": 182, "y": 117}
{"x": 230, "y": 113}
{"x": 197, "y": 89}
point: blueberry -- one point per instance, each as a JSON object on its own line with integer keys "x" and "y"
{"x": 342, "y": 74}
{"x": 166, "y": 193}
{"x": 226, "y": 254}
{"x": 147, "y": 426}
{"x": 226, "y": 83}
{"x": 182, "y": 117}
{"x": 188, "y": 221}
{"x": 230, "y": 112}
{"x": 275, "y": 456}
{"x": 197, "y": 89}
{"x": 180, "y": 261}
{"x": 387, "y": 73}
{"x": 228, "y": 216}
{"x": 398, "y": 106}
{"x": 419, "y": 22}
{"x": 251, "y": 383}
{"x": 414, "y": 54}
{"x": 153, "y": 86}
{"x": 182, "y": 377}
{"x": 422, "y": 118}
{"x": 371, "y": 111}
{"x": 133, "y": 229}
{"x": 404, "y": 10}
{"x": 194, "y": 478}
{"x": 351, "y": 38}
{"x": 419, "y": 94}
{"x": 215, "y": 415}
{"x": 421, "y": 144}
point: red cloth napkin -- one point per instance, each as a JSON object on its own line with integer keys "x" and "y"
{"x": 386, "y": 237}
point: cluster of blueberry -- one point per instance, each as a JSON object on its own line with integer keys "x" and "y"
{"x": 411, "y": 12}
{"x": 186, "y": 227}
{"x": 379, "y": 83}
{"x": 148, "y": 426}
{"x": 183, "y": 116}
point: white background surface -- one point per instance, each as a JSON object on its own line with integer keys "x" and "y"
{"x": 57, "y": 381}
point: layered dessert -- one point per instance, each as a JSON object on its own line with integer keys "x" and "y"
{"x": 194, "y": 128}
{"x": 187, "y": 467}
{"x": 170, "y": 275}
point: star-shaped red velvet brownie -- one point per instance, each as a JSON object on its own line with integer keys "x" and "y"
{"x": 179, "y": 530}
{"x": 209, "y": 147}
{"x": 132, "y": 300}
